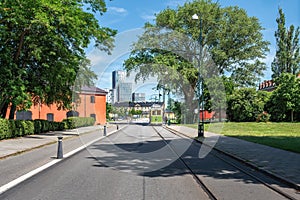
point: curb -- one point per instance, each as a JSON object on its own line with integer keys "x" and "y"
{"x": 253, "y": 166}
{"x": 47, "y": 143}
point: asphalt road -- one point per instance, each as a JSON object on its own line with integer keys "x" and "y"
{"x": 137, "y": 164}
{"x": 18, "y": 165}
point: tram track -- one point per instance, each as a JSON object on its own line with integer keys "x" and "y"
{"x": 198, "y": 180}
{"x": 217, "y": 153}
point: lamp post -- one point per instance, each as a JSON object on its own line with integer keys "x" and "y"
{"x": 200, "y": 80}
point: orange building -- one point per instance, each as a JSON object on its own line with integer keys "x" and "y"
{"x": 91, "y": 103}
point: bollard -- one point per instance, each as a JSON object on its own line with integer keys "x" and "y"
{"x": 104, "y": 130}
{"x": 59, "y": 148}
{"x": 117, "y": 127}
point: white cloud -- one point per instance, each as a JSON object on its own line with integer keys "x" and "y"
{"x": 148, "y": 17}
{"x": 117, "y": 10}
{"x": 268, "y": 60}
{"x": 103, "y": 64}
{"x": 175, "y": 3}
{"x": 96, "y": 58}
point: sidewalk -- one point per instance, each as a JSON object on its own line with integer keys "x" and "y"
{"x": 281, "y": 163}
{"x": 18, "y": 145}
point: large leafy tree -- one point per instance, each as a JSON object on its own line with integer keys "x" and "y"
{"x": 284, "y": 102}
{"x": 287, "y": 58}
{"x": 231, "y": 40}
{"x": 245, "y": 104}
{"x": 42, "y": 46}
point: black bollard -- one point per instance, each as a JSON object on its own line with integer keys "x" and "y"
{"x": 104, "y": 130}
{"x": 59, "y": 148}
{"x": 117, "y": 127}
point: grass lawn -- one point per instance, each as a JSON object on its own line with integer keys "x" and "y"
{"x": 280, "y": 135}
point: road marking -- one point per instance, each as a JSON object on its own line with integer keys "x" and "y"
{"x": 24, "y": 177}
{"x": 15, "y": 182}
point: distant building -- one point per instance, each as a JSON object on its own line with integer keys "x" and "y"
{"x": 268, "y": 85}
{"x": 117, "y": 77}
{"x": 109, "y": 96}
{"x": 145, "y": 107}
{"x": 138, "y": 97}
{"x": 121, "y": 90}
{"x": 124, "y": 92}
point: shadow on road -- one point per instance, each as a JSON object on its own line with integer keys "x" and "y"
{"x": 146, "y": 159}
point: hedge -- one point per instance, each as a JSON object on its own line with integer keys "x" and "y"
{"x": 76, "y": 122}
{"x": 18, "y": 128}
{"x": 5, "y": 130}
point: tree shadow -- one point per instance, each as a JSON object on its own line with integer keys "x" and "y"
{"x": 147, "y": 159}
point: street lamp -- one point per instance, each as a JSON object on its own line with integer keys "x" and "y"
{"x": 200, "y": 80}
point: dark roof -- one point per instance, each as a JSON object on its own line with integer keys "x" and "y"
{"x": 92, "y": 90}
{"x": 133, "y": 104}
{"x": 267, "y": 85}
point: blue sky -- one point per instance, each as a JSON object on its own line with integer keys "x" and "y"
{"x": 129, "y": 16}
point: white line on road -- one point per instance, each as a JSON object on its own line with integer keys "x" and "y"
{"x": 24, "y": 177}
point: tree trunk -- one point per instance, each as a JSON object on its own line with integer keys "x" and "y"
{"x": 12, "y": 112}
{"x": 220, "y": 114}
{"x": 189, "y": 109}
{"x": 4, "y": 110}
{"x": 292, "y": 115}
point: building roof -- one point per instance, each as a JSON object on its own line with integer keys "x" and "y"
{"x": 267, "y": 85}
{"x": 92, "y": 90}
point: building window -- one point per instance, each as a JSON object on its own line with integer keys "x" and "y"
{"x": 50, "y": 117}
{"x": 92, "y": 99}
{"x": 72, "y": 113}
{"x": 24, "y": 115}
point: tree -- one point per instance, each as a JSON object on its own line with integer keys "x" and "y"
{"x": 176, "y": 107}
{"x": 245, "y": 104}
{"x": 109, "y": 110}
{"x": 231, "y": 41}
{"x": 287, "y": 57}
{"x": 42, "y": 47}
{"x": 284, "y": 101}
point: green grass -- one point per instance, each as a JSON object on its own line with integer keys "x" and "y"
{"x": 279, "y": 135}
{"x": 156, "y": 119}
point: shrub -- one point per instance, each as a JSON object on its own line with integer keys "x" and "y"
{"x": 4, "y": 129}
{"x": 13, "y": 130}
{"x": 76, "y": 122}
{"x": 58, "y": 126}
{"x": 245, "y": 104}
{"x": 29, "y": 128}
{"x": 23, "y": 127}
{"x": 263, "y": 117}
{"x": 37, "y": 126}
{"x": 43, "y": 126}
{"x": 18, "y": 128}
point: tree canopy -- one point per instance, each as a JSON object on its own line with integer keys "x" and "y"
{"x": 42, "y": 47}
{"x": 246, "y": 104}
{"x": 287, "y": 58}
{"x": 284, "y": 102}
{"x": 233, "y": 39}
{"x": 231, "y": 43}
